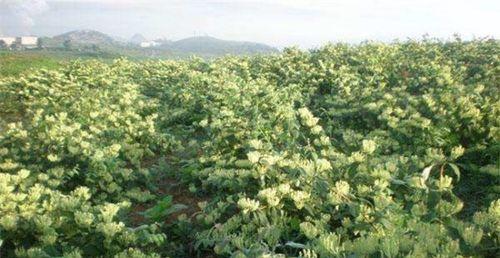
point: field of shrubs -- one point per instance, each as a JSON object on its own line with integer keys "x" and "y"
{"x": 369, "y": 150}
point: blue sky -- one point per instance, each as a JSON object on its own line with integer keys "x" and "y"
{"x": 275, "y": 22}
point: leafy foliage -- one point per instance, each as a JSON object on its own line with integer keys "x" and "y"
{"x": 71, "y": 146}
{"x": 371, "y": 150}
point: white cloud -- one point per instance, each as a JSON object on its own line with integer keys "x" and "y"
{"x": 19, "y": 14}
{"x": 278, "y": 22}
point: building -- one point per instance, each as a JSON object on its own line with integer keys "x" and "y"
{"x": 25, "y": 42}
{"x": 28, "y": 42}
{"x": 8, "y": 40}
{"x": 149, "y": 44}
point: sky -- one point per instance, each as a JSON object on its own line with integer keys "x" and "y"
{"x": 303, "y": 23}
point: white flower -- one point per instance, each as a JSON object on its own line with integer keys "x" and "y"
{"x": 270, "y": 196}
{"x": 256, "y": 144}
{"x": 323, "y": 165}
{"x": 93, "y": 114}
{"x": 269, "y": 160}
{"x": 324, "y": 140}
{"x": 84, "y": 219}
{"x": 248, "y": 205}
{"x": 369, "y": 146}
{"x": 316, "y": 130}
{"x": 342, "y": 187}
{"x": 23, "y": 173}
{"x": 8, "y": 165}
{"x": 82, "y": 193}
{"x": 299, "y": 198}
{"x": 472, "y": 236}
{"x": 444, "y": 182}
{"x": 8, "y": 222}
{"x": 204, "y": 123}
{"x": 307, "y": 117}
{"x": 253, "y": 156}
{"x": 109, "y": 211}
{"x": 457, "y": 152}
{"x": 85, "y": 145}
{"x": 110, "y": 229}
{"x": 98, "y": 155}
{"x": 53, "y": 158}
{"x": 356, "y": 157}
{"x": 309, "y": 230}
{"x": 284, "y": 188}
{"x": 339, "y": 193}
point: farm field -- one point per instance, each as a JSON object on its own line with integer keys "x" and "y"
{"x": 13, "y": 63}
{"x": 369, "y": 150}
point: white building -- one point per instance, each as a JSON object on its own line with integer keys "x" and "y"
{"x": 8, "y": 40}
{"x": 26, "y": 42}
{"x": 149, "y": 44}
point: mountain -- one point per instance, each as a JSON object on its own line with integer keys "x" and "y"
{"x": 95, "y": 41}
{"x": 137, "y": 39}
{"x": 212, "y": 46}
{"x": 86, "y": 37}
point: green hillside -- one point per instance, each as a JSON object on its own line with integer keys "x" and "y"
{"x": 88, "y": 40}
{"x": 214, "y": 46}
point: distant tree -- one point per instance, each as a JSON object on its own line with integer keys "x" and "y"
{"x": 95, "y": 47}
{"x": 67, "y": 44}
{"x": 3, "y": 45}
{"x": 39, "y": 43}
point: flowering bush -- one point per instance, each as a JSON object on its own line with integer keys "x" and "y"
{"x": 71, "y": 146}
{"x": 345, "y": 150}
{"x": 369, "y": 150}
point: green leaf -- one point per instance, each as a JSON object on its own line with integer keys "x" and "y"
{"x": 295, "y": 245}
{"x": 426, "y": 172}
{"x": 398, "y": 182}
{"x": 456, "y": 170}
{"x": 163, "y": 208}
{"x": 175, "y": 208}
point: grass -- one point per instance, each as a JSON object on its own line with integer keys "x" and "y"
{"x": 13, "y": 63}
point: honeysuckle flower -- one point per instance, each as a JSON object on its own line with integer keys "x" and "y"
{"x": 316, "y": 130}
{"x": 248, "y": 205}
{"x": 300, "y": 198}
{"x": 323, "y": 165}
{"x": 270, "y": 195}
{"x": 309, "y": 230}
{"x": 284, "y": 188}
{"x": 8, "y": 165}
{"x": 369, "y": 146}
{"x": 457, "y": 152}
{"x": 269, "y": 160}
{"x": 53, "y": 158}
{"x": 256, "y": 144}
{"x": 204, "y": 123}
{"x": 253, "y": 156}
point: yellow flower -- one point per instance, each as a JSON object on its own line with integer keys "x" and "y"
{"x": 323, "y": 165}
{"x": 457, "y": 152}
{"x": 53, "y": 158}
{"x": 248, "y": 205}
{"x": 369, "y": 146}
{"x": 253, "y": 156}
{"x": 299, "y": 198}
{"x": 270, "y": 196}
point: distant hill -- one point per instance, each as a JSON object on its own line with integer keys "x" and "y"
{"x": 212, "y": 46}
{"x": 137, "y": 39}
{"x": 86, "y": 37}
{"x": 91, "y": 40}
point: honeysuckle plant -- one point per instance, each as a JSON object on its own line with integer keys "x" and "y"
{"x": 368, "y": 150}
